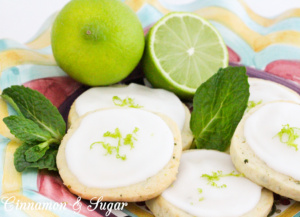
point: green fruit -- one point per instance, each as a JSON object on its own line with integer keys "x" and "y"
{"x": 97, "y": 42}
{"x": 182, "y": 51}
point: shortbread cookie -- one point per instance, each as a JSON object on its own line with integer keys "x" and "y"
{"x": 120, "y": 155}
{"x": 265, "y": 147}
{"x": 208, "y": 185}
{"x": 135, "y": 96}
{"x": 263, "y": 91}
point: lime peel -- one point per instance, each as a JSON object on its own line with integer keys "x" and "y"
{"x": 110, "y": 149}
{"x": 291, "y": 133}
{"x": 216, "y": 177}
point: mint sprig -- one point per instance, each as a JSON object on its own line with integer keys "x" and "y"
{"x": 38, "y": 124}
{"x": 219, "y": 105}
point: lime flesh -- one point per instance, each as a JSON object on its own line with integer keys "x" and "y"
{"x": 183, "y": 50}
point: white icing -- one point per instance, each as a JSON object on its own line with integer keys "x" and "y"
{"x": 260, "y": 132}
{"x": 152, "y": 150}
{"x": 239, "y": 197}
{"x": 156, "y": 100}
{"x": 268, "y": 91}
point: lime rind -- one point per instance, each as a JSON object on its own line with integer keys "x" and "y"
{"x": 169, "y": 76}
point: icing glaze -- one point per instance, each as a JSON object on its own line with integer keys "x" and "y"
{"x": 156, "y": 100}
{"x": 197, "y": 196}
{"x": 94, "y": 167}
{"x": 266, "y": 91}
{"x": 261, "y": 129}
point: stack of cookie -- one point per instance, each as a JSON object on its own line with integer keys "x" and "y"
{"x": 125, "y": 143}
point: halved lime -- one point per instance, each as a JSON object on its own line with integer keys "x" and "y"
{"x": 182, "y": 51}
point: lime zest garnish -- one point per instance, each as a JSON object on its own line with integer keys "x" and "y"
{"x": 200, "y": 190}
{"x": 216, "y": 177}
{"x": 110, "y": 149}
{"x": 129, "y": 139}
{"x": 115, "y": 135}
{"x": 135, "y": 130}
{"x": 129, "y": 102}
{"x": 291, "y": 134}
{"x": 252, "y": 104}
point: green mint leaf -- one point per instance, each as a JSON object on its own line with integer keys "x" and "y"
{"x": 37, "y": 152}
{"x": 26, "y": 130}
{"x": 36, "y": 107}
{"x": 48, "y": 161}
{"x": 12, "y": 104}
{"x": 219, "y": 105}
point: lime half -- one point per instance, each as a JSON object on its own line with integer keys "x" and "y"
{"x": 183, "y": 50}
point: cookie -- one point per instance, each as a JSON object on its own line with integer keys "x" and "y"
{"x": 135, "y": 96}
{"x": 208, "y": 185}
{"x": 120, "y": 155}
{"x": 261, "y": 151}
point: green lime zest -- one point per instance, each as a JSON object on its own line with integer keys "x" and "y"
{"x": 200, "y": 190}
{"x": 216, "y": 177}
{"x": 129, "y": 102}
{"x": 288, "y": 135}
{"x": 110, "y": 149}
{"x": 252, "y": 104}
{"x": 130, "y": 138}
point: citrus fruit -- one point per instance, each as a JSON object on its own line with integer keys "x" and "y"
{"x": 97, "y": 42}
{"x": 182, "y": 51}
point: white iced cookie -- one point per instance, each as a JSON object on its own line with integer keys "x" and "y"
{"x": 120, "y": 155}
{"x": 135, "y": 96}
{"x": 208, "y": 185}
{"x": 263, "y": 91}
{"x": 265, "y": 147}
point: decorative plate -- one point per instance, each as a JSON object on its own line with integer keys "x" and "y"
{"x": 263, "y": 35}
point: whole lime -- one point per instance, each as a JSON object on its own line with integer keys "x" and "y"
{"x": 97, "y": 42}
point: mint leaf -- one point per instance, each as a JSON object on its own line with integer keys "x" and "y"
{"x": 37, "y": 152}
{"x": 36, "y": 107}
{"x": 219, "y": 105}
{"x": 47, "y": 161}
{"x": 38, "y": 125}
{"x": 26, "y": 130}
{"x": 12, "y": 104}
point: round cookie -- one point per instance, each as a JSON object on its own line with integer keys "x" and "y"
{"x": 165, "y": 205}
{"x": 246, "y": 161}
{"x": 162, "y": 208}
{"x": 186, "y": 134}
{"x": 141, "y": 190}
{"x": 263, "y": 91}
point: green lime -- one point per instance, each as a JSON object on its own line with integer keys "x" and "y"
{"x": 97, "y": 42}
{"x": 182, "y": 51}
